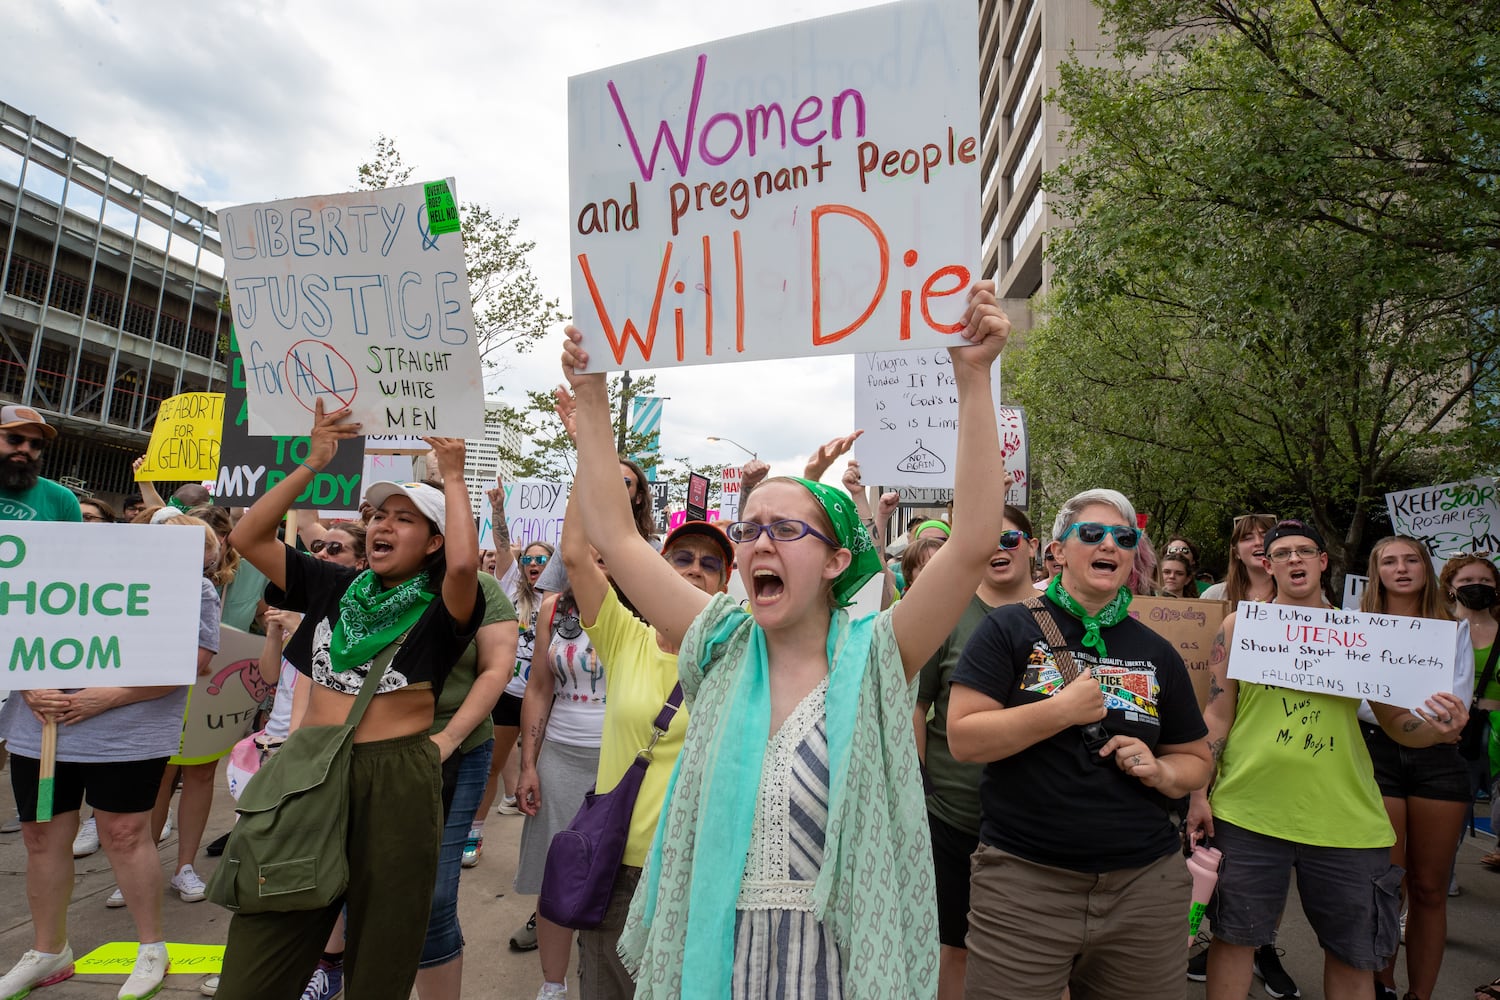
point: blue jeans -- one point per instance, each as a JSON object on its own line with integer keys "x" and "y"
{"x": 445, "y": 939}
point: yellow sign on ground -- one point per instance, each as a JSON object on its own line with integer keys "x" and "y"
{"x": 185, "y": 441}
{"x": 118, "y": 957}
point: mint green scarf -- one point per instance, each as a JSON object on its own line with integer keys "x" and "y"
{"x": 731, "y": 788}
{"x": 1109, "y": 616}
{"x": 371, "y": 618}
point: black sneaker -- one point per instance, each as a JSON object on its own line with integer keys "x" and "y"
{"x": 1384, "y": 992}
{"x": 1198, "y": 967}
{"x": 1272, "y": 976}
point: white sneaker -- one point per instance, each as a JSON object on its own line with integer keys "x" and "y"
{"x": 36, "y": 968}
{"x": 166, "y": 828}
{"x": 209, "y": 987}
{"x": 151, "y": 965}
{"x": 507, "y": 806}
{"x": 551, "y": 991}
{"x": 116, "y": 899}
{"x": 188, "y": 885}
{"x": 87, "y": 841}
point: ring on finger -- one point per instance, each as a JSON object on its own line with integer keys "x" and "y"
{"x": 1135, "y": 761}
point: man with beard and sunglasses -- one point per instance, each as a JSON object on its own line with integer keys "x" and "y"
{"x": 25, "y": 495}
{"x": 1276, "y": 806}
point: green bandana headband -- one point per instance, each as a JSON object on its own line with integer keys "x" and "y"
{"x": 851, "y": 535}
{"x": 1109, "y": 616}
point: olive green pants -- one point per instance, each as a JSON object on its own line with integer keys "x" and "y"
{"x": 395, "y": 826}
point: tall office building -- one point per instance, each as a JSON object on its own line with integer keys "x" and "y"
{"x": 482, "y": 455}
{"x": 1021, "y": 45}
{"x": 110, "y": 285}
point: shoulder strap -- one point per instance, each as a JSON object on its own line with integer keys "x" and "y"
{"x": 663, "y": 720}
{"x": 371, "y": 683}
{"x": 1060, "y": 652}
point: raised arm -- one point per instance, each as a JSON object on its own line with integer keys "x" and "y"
{"x": 504, "y": 557}
{"x": 460, "y": 537}
{"x": 254, "y": 537}
{"x": 664, "y": 599}
{"x": 149, "y": 494}
{"x": 928, "y": 613}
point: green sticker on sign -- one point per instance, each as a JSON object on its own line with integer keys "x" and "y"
{"x": 442, "y": 213}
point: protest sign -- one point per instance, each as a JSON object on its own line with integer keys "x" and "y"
{"x": 907, "y": 404}
{"x": 1450, "y": 518}
{"x": 1190, "y": 626}
{"x": 384, "y": 468}
{"x": 117, "y": 958}
{"x": 395, "y": 444}
{"x": 1354, "y": 588}
{"x": 250, "y": 466}
{"x": 534, "y": 510}
{"x": 97, "y": 605}
{"x": 677, "y": 518}
{"x": 1386, "y": 658}
{"x": 224, "y": 702}
{"x": 697, "y": 498}
{"x": 799, "y": 191}
{"x": 185, "y": 440}
{"x": 360, "y": 300}
{"x": 486, "y": 524}
{"x": 729, "y": 493}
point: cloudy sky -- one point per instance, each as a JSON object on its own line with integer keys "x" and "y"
{"x": 262, "y": 99}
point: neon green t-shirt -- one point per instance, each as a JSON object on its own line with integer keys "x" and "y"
{"x": 1295, "y": 767}
{"x": 638, "y": 677}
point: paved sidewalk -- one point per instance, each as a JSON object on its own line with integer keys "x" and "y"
{"x": 490, "y": 911}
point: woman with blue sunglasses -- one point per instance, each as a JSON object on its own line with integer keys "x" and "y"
{"x": 793, "y": 857}
{"x": 1077, "y": 709}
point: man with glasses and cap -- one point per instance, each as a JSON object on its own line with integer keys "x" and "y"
{"x": 1275, "y": 806}
{"x": 25, "y": 495}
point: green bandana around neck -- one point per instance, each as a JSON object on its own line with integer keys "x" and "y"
{"x": 371, "y": 618}
{"x": 1109, "y": 616}
{"x": 850, "y": 533}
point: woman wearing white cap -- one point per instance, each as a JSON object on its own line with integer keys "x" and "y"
{"x": 420, "y": 595}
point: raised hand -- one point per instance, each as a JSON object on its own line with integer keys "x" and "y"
{"x": 824, "y": 456}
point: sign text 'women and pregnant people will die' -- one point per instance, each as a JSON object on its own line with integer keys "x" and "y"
{"x": 89, "y": 605}
{"x": 809, "y": 189}
{"x": 358, "y": 299}
{"x": 1391, "y": 659}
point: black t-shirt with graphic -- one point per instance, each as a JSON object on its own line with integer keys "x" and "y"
{"x": 315, "y": 586}
{"x": 1050, "y": 803}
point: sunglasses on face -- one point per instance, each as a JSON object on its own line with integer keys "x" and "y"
{"x": 534, "y": 560}
{"x": 1092, "y": 533}
{"x": 1178, "y": 550}
{"x": 684, "y": 559}
{"x": 786, "y": 530}
{"x": 332, "y": 548}
{"x": 15, "y": 440}
{"x": 1012, "y": 539}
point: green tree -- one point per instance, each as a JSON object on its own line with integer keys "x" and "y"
{"x": 546, "y": 452}
{"x": 510, "y": 310}
{"x": 1281, "y": 292}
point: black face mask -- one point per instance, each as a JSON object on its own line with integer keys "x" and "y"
{"x": 1476, "y": 596}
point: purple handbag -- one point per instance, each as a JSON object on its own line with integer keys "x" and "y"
{"x": 583, "y": 859}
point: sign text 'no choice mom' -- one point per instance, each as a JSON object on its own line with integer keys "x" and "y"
{"x": 808, "y": 189}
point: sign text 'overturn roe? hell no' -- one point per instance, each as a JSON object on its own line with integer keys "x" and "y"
{"x": 809, "y": 189}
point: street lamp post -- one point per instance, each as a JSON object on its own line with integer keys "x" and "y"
{"x": 741, "y": 447}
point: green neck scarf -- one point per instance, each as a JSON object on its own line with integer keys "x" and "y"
{"x": 1109, "y": 616}
{"x": 371, "y": 618}
{"x": 850, "y": 533}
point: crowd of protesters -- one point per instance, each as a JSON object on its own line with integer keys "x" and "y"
{"x": 984, "y": 789}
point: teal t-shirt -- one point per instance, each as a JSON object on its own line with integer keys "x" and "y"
{"x": 46, "y": 501}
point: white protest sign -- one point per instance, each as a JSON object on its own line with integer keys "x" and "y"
{"x": 1449, "y": 518}
{"x": 729, "y": 493}
{"x": 359, "y": 299}
{"x": 805, "y": 190}
{"x": 1354, "y": 588}
{"x": 1386, "y": 658}
{"x": 907, "y": 404}
{"x": 486, "y": 524}
{"x": 534, "y": 510}
{"x": 386, "y": 468}
{"x": 395, "y": 444}
{"x": 98, "y": 605}
{"x": 223, "y": 702}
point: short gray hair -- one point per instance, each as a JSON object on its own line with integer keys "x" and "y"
{"x": 1068, "y": 513}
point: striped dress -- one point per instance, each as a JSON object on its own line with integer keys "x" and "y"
{"x": 781, "y": 951}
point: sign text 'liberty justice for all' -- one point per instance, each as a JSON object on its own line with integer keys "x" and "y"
{"x": 358, "y": 299}
{"x": 804, "y": 190}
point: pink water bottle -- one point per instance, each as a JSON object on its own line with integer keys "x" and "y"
{"x": 1203, "y": 865}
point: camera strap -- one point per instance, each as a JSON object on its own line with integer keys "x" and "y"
{"x": 1061, "y": 655}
